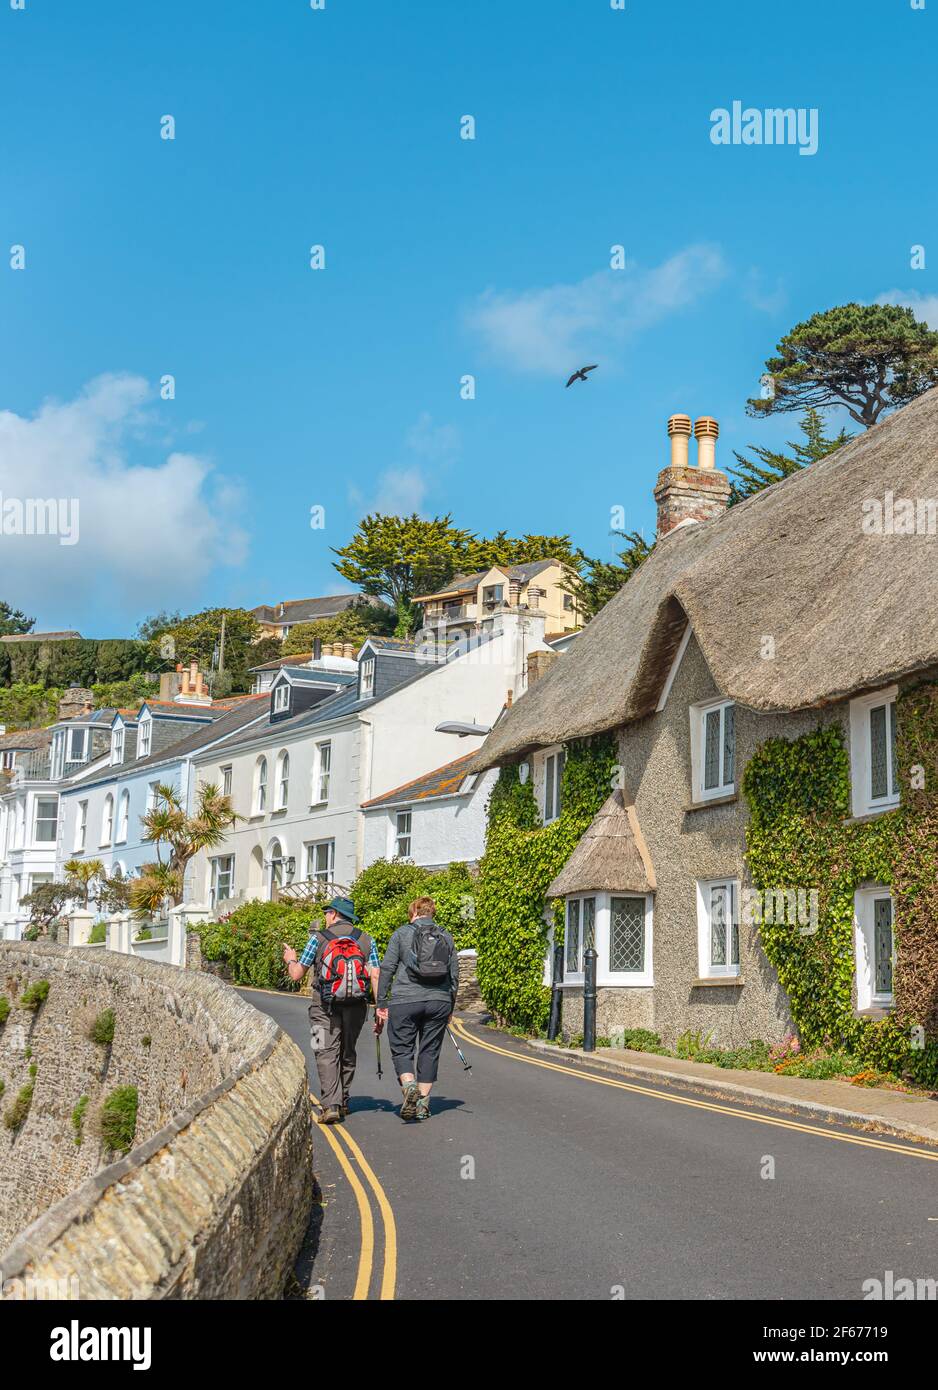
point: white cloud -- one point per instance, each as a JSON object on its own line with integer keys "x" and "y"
{"x": 148, "y": 535}
{"x": 555, "y": 329}
{"x": 401, "y": 491}
{"x": 924, "y": 306}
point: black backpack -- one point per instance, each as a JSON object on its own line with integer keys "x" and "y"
{"x": 428, "y": 954}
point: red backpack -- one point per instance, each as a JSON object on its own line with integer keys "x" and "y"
{"x": 343, "y": 967}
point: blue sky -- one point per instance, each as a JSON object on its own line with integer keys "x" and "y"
{"x": 444, "y": 256}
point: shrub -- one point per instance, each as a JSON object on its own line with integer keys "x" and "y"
{"x": 35, "y": 995}
{"x": 144, "y": 934}
{"x": 102, "y": 1028}
{"x": 98, "y": 933}
{"x": 639, "y": 1040}
{"x": 15, "y": 1116}
{"x": 78, "y": 1120}
{"x": 251, "y": 940}
{"x": 119, "y": 1118}
{"x": 4, "y": 1008}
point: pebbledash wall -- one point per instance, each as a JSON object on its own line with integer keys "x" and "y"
{"x": 213, "y": 1199}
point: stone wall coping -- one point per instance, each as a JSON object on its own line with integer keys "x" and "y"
{"x": 78, "y": 1205}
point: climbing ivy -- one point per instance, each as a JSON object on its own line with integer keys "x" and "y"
{"x": 521, "y": 858}
{"x": 800, "y": 836}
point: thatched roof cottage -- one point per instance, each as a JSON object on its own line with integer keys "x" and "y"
{"x": 813, "y": 603}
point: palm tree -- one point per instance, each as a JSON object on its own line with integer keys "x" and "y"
{"x": 183, "y": 836}
{"x": 81, "y": 874}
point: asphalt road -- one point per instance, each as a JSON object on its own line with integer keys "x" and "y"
{"x": 557, "y": 1181}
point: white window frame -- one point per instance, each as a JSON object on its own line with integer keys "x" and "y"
{"x": 45, "y": 820}
{"x": 70, "y": 742}
{"x": 698, "y": 743}
{"x": 861, "y": 749}
{"x": 366, "y": 688}
{"x": 144, "y": 737}
{"x": 152, "y": 796}
{"x": 282, "y": 697}
{"x": 706, "y": 970}
{"x": 117, "y": 745}
{"x": 320, "y": 875}
{"x": 123, "y": 817}
{"x": 322, "y": 773}
{"x": 81, "y": 828}
{"x": 107, "y": 821}
{"x": 573, "y": 974}
{"x": 406, "y": 834}
{"x": 552, "y": 774}
{"x": 283, "y": 780}
{"x": 226, "y": 775}
{"x": 259, "y": 802}
{"x": 59, "y": 749}
{"x": 218, "y": 873}
{"x": 864, "y": 930}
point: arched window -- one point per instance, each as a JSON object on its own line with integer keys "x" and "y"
{"x": 260, "y": 787}
{"x": 107, "y": 820}
{"x": 123, "y": 817}
{"x": 283, "y": 780}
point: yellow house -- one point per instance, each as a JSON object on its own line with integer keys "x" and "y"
{"x": 474, "y": 600}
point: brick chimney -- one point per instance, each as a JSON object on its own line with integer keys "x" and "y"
{"x": 538, "y": 665}
{"x": 685, "y": 494}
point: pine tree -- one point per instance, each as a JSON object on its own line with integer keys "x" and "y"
{"x": 751, "y": 477}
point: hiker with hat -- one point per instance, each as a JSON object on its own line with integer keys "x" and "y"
{"x": 416, "y": 998}
{"x": 345, "y": 962}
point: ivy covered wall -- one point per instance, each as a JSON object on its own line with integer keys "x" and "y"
{"x": 521, "y": 858}
{"x": 800, "y": 835}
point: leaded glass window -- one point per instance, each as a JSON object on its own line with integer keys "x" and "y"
{"x": 589, "y": 923}
{"x": 882, "y": 945}
{"x": 724, "y": 928}
{"x": 627, "y": 934}
{"x": 573, "y": 936}
{"x": 879, "y": 777}
{"x": 712, "y": 750}
{"x": 718, "y": 749}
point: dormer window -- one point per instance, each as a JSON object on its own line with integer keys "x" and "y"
{"x": 77, "y": 744}
{"x": 144, "y": 738}
{"x": 713, "y": 749}
{"x": 281, "y": 698}
{"x": 367, "y": 678}
{"x": 117, "y": 744}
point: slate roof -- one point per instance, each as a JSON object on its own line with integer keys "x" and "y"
{"x": 443, "y": 781}
{"x": 304, "y": 610}
{"x": 461, "y": 582}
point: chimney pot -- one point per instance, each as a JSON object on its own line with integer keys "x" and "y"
{"x": 706, "y": 432}
{"x": 679, "y": 434}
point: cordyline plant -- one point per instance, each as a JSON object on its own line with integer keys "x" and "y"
{"x": 182, "y": 837}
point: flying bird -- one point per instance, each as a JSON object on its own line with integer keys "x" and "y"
{"x": 581, "y": 374}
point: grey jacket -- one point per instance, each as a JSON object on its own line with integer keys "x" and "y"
{"x": 394, "y": 973}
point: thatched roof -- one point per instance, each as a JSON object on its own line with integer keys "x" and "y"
{"x": 611, "y": 857}
{"x": 848, "y": 611}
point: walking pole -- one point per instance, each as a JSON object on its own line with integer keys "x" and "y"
{"x": 466, "y": 1066}
{"x": 378, "y": 1046}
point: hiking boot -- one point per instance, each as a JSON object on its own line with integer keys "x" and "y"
{"x": 411, "y": 1095}
{"x": 423, "y": 1108}
{"x": 332, "y": 1115}
{"x": 344, "y": 1107}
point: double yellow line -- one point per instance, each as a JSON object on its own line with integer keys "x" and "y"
{"x": 347, "y": 1151}
{"x": 778, "y": 1122}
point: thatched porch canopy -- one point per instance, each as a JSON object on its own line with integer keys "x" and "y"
{"x": 610, "y": 857}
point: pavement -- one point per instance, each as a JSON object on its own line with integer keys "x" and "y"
{"x": 547, "y": 1176}
{"x": 909, "y": 1115}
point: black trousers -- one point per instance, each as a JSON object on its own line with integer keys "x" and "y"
{"x": 418, "y": 1028}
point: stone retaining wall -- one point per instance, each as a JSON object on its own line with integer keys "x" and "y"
{"x": 213, "y": 1199}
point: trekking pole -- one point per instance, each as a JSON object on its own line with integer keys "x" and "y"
{"x": 378, "y": 1046}
{"x": 466, "y": 1066}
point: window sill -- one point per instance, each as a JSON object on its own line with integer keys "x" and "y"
{"x": 864, "y": 817}
{"x": 718, "y": 982}
{"x": 317, "y": 805}
{"x": 875, "y": 1011}
{"x": 705, "y": 805}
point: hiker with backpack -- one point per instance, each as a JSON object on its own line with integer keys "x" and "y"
{"x": 345, "y": 962}
{"x": 416, "y": 997}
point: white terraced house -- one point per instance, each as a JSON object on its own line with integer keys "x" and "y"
{"x": 299, "y": 779}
